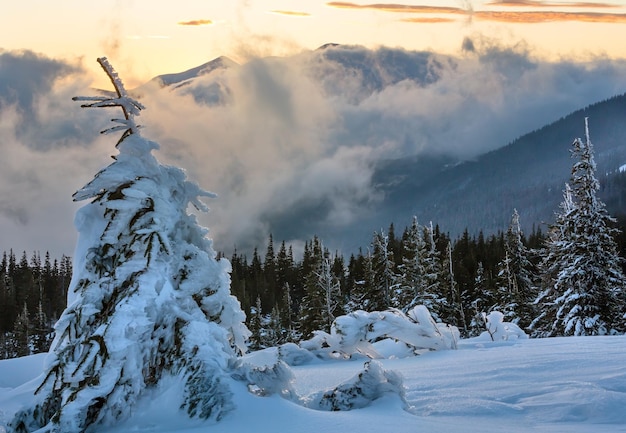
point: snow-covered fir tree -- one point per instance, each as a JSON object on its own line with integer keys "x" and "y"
{"x": 451, "y": 309}
{"x": 524, "y": 271}
{"x": 265, "y": 329}
{"x": 273, "y": 334}
{"x": 148, "y": 298}
{"x": 322, "y": 301}
{"x": 584, "y": 283}
{"x": 384, "y": 275}
{"x": 362, "y": 276}
{"x": 554, "y": 254}
{"x": 481, "y": 302}
{"x": 287, "y": 316}
{"x": 270, "y": 274}
{"x": 21, "y": 334}
{"x": 515, "y": 281}
{"x": 41, "y": 331}
{"x": 255, "y": 326}
{"x": 410, "y": 280}
{"x": 506, "y": 290}
{"x": 433, "y": 298}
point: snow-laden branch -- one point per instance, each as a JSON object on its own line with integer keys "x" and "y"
{"x": 129, "y": 106}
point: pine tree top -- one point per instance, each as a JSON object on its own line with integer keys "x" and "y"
{"x": 130, "y": 107}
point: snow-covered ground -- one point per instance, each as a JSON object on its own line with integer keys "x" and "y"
{"x": 573, "y": 384}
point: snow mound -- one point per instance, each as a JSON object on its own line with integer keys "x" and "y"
{"x": 270, "y": 377}
{"x": 358, "y": 392}
{"x": 293, "y": 354}
{"x": 499, "y": 330}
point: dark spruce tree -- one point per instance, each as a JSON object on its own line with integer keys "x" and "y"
{"x": 411, "y": 271}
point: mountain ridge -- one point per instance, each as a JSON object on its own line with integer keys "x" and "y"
{"x": 539, "y": 162}
{"x": 478, "y": 193}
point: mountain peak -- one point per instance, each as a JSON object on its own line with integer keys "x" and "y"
{"x": 221, "y": 62}
{"x": 328, "y": 45}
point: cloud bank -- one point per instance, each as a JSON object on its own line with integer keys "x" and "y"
{"x": 289, "y": 144}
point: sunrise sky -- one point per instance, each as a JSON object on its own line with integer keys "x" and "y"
{"x": 145, "y": 38}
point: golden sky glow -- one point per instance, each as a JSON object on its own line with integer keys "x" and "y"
{"x": 150, "y": 37}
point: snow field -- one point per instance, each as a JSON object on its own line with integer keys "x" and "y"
{"x": 565, "y": 384}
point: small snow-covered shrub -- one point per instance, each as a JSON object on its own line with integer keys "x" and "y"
{"x": 370, "y": 384}
{"x": 292, "y": 354}
{"x": 499, "y": 330}
{"x": 264, "y": 380}
{"x": 356, "y": 332}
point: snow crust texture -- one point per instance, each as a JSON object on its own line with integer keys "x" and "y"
{"x": 548, "y": 385}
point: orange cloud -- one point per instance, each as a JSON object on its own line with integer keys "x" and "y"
{"x": 428, "y": 20}
{"x": 548, "y": 16}
{"x": 526, "y": 17}
{"x": 292, "y": 13}
{"x": 412, "y": 9}
{"x": 195, "y": 23}
{"x": 539, "y": 4}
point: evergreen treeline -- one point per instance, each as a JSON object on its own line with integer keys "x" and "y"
{"x": 33, "y": 294}
{"x": 287, "y": 299}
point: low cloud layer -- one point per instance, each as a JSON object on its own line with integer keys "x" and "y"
{"x": 289, "y": 144}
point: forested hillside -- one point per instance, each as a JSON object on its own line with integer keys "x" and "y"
{"x": 275, "y": 288}
{"x": 528, "y": 174}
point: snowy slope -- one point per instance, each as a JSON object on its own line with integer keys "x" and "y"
{"x": 575, "y": 384}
